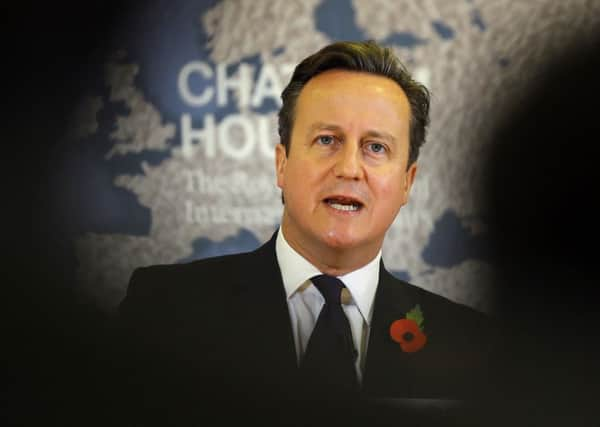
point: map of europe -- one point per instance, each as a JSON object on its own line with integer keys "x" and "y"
{"x": 172, "y": 146}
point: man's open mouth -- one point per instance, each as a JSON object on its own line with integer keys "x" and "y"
{"x": 344, "y": 204}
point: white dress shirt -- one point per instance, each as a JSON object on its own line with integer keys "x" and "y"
{"x": 305, "y": 301}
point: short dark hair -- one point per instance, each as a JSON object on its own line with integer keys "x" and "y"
{"x": 368, "y": 57}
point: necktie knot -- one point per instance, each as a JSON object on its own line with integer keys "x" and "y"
{"x": 330, "y": 287}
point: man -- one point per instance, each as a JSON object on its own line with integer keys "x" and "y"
{"x": 266, "y": 324}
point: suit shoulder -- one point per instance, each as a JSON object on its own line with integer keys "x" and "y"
{"x": 441, "y": 308}
{"x": 170, "y": 284}
{"x": 450, "y": 306}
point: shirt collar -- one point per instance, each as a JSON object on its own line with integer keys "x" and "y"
{"x": 296, "y": 271}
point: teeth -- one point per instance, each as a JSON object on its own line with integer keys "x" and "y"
{"x": 343, "y": 207}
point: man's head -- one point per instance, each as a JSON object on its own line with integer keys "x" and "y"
{"x": 347, "y": 159}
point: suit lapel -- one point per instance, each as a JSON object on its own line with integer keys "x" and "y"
{"x": 452, "y": 364}
{"x": 389, "y": 371}
{"x": 263, "y": 321}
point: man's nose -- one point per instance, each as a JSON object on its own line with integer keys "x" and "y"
{"x": 349, "y": 162}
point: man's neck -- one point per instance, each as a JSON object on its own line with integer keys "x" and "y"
{"x": 328, "y": 260}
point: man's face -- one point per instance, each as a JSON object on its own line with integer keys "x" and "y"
{"x": 345, "y": 176}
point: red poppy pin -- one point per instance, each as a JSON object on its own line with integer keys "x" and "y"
{"x": 408, "y": 332}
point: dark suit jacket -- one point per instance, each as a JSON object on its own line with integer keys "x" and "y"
{"x": 218, "y": 330}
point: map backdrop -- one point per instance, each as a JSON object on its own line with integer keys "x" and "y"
{"x": 169, "y": 156}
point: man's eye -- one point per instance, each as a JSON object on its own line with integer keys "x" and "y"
{"x": 377, "y": 147}
{"x": 325, "y": 139}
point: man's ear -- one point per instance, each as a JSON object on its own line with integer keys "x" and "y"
{"x": 280, "y": 162}
{"x": 410, "y": 179}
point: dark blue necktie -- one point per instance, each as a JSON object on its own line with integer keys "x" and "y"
{"x": 330, "y": 354}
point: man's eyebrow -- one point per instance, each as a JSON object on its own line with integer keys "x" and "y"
{"x": 371, "y": 133}
{"x": 381, "y": 135}
{"x": 324, "y": 126}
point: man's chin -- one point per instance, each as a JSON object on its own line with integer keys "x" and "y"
{"x": 342, "y": 241}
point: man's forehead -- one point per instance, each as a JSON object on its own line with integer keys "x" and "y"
{"x": 339, "y": 84}
{"x": 340, "y": 76}
{"x": 333, "y": 97}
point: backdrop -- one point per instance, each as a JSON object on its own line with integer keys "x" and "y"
{"x": 169, "y": 155}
